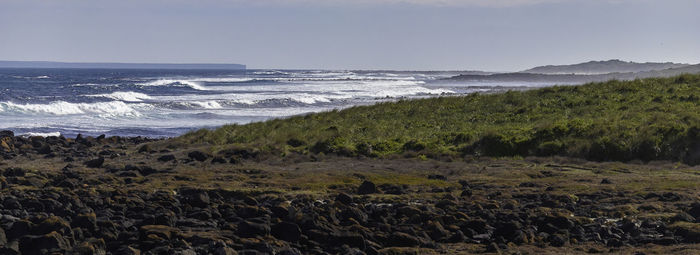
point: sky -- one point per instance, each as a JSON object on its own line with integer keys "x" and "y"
{"x": 491, "y": 35}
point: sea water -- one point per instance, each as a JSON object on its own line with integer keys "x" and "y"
{"x": 165, "y": 103}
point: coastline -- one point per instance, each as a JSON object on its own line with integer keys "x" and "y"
{"x": 229, "y": 191}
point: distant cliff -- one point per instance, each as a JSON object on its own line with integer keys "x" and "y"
{"x": 49, "y": 64}
{"x": 603, "y": 67}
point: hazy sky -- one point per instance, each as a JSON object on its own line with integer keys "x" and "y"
{"x": 496, "y": 35}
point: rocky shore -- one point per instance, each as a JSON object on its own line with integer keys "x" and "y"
{"x": 112, "y": 195}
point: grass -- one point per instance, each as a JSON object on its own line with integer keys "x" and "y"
{"x": 648, "y": 119}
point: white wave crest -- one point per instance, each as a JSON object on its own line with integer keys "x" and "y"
{"x": 207, "y": 104}
{"x": 167, "y": 82}
{"x": 42, "y": 134}
{"x": 103, "y": 109}
{"x": 127, "y": 96}
{"x": 222, "y": 79}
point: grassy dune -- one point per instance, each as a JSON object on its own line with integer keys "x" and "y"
{"x": 648, "y": 119}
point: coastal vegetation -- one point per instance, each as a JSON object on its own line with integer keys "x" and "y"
{"x": 644, "y": 119}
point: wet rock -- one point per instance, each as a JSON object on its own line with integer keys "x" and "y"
{"x": 95, "y": 163}
{"x": 367, "y": 187}
{"x": 198, "y": 155}
{"x": 286, "y": 231}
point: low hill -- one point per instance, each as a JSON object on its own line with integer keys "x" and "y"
{"x": 649, "y": 119}
{"x": 575, "y": 78}
{"x": 603, "y": 67}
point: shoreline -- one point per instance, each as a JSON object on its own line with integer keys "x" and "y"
{"x": 123, "y": 195}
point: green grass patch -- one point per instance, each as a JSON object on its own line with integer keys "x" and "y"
{"x": 647, "y": 119}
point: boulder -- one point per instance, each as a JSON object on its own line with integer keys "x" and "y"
{"x": 253, "y": 229}
{"x": 166, "y": 158}
{"x": 95, "y": 163}
{"x": 198, "y": 155}
{"x": 344, "y": 198}
{"x": 286, "y": 231}
{"x": 44, "y": 244}
{"x": 6, "y": 133}
{"x": 399, "y": 239}
{"x": 367, "y": 187}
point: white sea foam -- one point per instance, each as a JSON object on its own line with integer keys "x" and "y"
{"x": 207, "y": 104}
{"x": 103, "y": 109}
{"x": 42, "y": 134}
{"x": 312, "y": 93}
{"x": 222, "y": 79}
{"x": 167, "y": 82}
{"x": 127, "y": 96}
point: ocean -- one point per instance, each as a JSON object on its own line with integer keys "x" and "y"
{"x": 166, "y": 103}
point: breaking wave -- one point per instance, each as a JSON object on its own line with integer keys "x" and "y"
{"x": 49, "y": 134}
{"x": 103, "y": 109}
{"x": 127, "y": 96}
{"x": 169, "y": 82}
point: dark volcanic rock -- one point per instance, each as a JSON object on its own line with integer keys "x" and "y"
{"x": 367, "y": 187}
{"x": 44, "y": 244}
{"x": 198, "y": 155}
{"x": 286, "y": 231}
{"x": 252, "y": 229}
{"x": 683, "y": 217}
{"x": 166, "y": 158}
{"x": 218, "y": 160}
{"x": 95, "y": 163}
{"x": 6, "y": 133}
{"x": 344, "y": 198}
{"x": 195, "y": 197}
{"x": 695, "y": 210}
{"x": 399, "y": 239}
